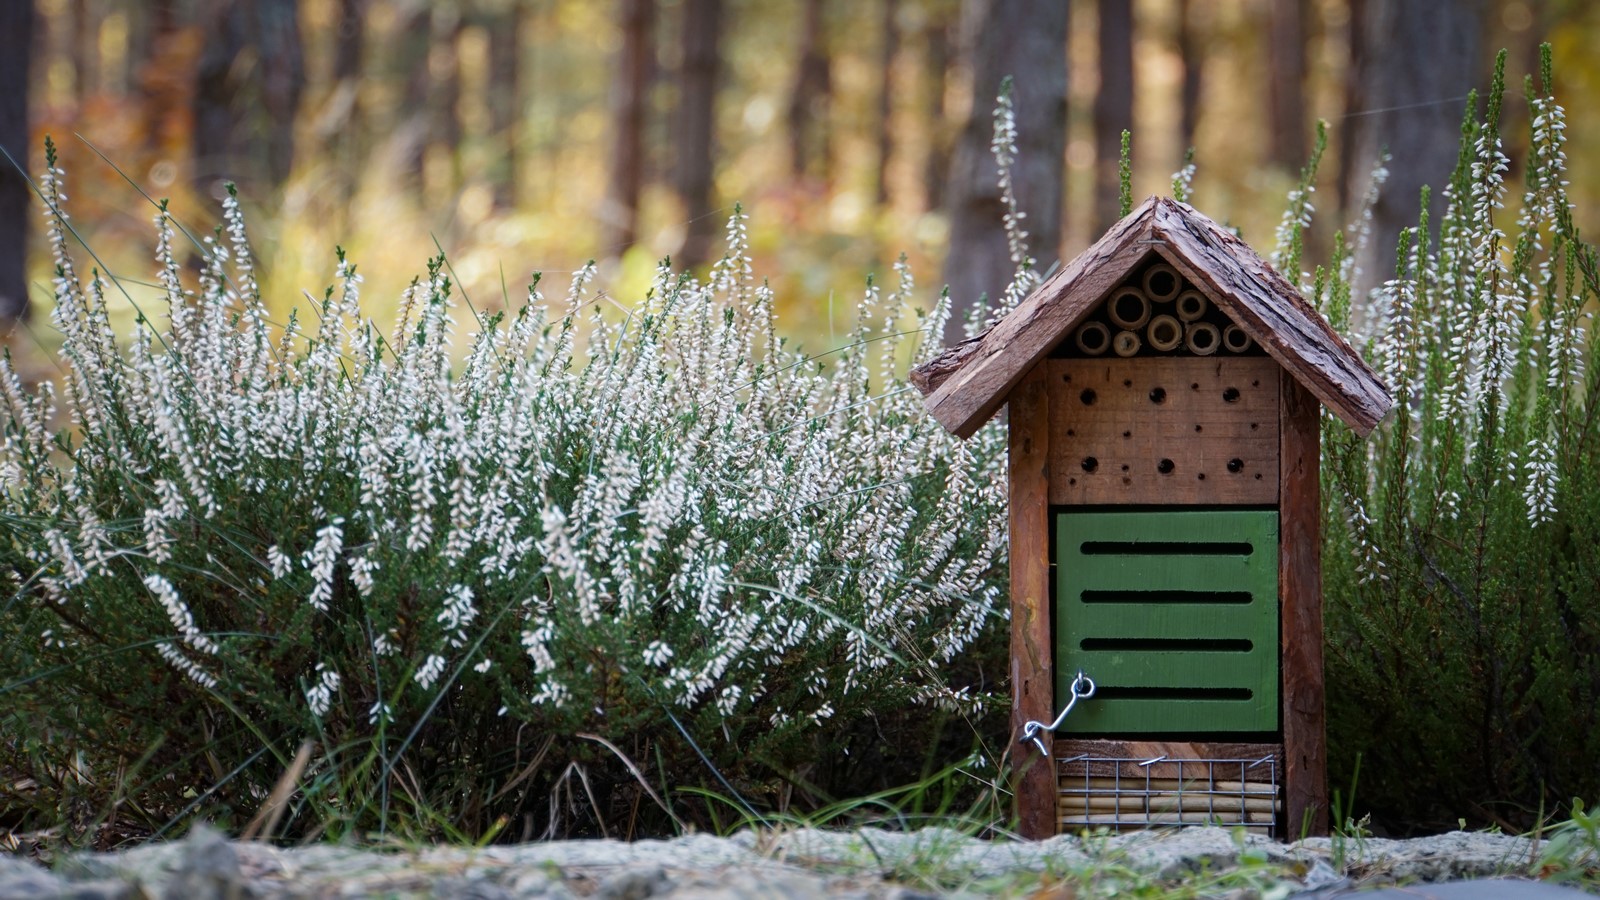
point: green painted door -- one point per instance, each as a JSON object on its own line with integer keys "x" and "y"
{"x": 1174, "y": 615}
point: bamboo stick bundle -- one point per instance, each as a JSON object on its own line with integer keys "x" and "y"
{"x": 1235, "y": 339}
{"x": 1139, "y": 785}
{"x": 1231, "y": 804}
{"x": 1126, "y": 343}
{"x": 1070, "y": 824}
{"x": 1185, "y": 818}
{"x": 1093, "y": 338}
{"x": 1191, "y": 305}
{"x": 1202, "y": 338}
{"x": 1128, "y": 308}
{"x": 1162, "y": 283}
{"x": 1165, "y": 333}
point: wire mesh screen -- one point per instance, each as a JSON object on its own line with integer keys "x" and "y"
{"x": 1122, "y": 794}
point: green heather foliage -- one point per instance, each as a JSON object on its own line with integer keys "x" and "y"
{"x": 1462, "y": 567}
{"x": 611, "y": 553}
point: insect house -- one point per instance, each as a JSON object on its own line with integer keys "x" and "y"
{"x": 1163, "y": 395}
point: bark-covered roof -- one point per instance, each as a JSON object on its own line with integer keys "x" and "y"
{"x": 966, "y": 384}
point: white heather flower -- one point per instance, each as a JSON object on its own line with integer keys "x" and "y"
{"x": 485, "y": 665}
{"x": 431, "y": 669}
{"x": 1540, "y": 491}
{"x": 320, "y": 695}
{"x": 279, "y": 562}
{"x": 657, "y": 653}
{"x": 458, "y": 613}
{"x": 187, "y": 666}
{"x": 179, "y": 613}
{"x": 321, "y": 560}
{"x": 380, "y": 713}
{"x": 384, "y": 645}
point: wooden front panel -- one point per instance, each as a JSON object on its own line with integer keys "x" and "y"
{"x": 1173, "y": 615}
{"x": 1033, "y": 772}
{"x": 1157, "y": 430}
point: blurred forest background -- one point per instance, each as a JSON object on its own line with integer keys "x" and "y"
{"x": 525, "y": 135}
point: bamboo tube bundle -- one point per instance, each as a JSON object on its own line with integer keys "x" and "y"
{"x": 1202, "y": 338}
{"x": 1126, "y": 343}
{"x": 1191, "y": 306}
{"x": 1093, "y": 338}
{"x": 1235, "y": 339}
{"x": 1139, "y": 786}
{"x": 1128, "y": 308}
{"x": 1165, "y": 333}
{"x": 1162, "y": 283}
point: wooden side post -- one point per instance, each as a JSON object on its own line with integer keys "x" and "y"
{"x": 1300, "y": 584}
{"x": 1034, "y": 781}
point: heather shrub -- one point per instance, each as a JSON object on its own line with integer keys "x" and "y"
{"x": 1463, "y": 538}
{"x": 535, "y": 569}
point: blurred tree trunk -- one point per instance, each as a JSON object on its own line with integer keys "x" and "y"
{"x": 446, "y": 103}
{"x": 1113, "y": 107}
{"x": 809, "y": 100}
{"x": 1355, "y": 64}
{"x": 339, "y": 125}
{"x": 696, "y": 121}
{"x": 247, "y": 95}
{"x": 412, "y": 123}
{"x": 1286, "y": 81}
{"x": 937, "y": 171}
{"x": 505, "y": 100}
{"x": 159, "y": 91}
{"x": 890, "y": 49}
{"x": 85, "y": 52}
{"x": 16, "y": 208}
{"x": 1190, "y": 49}
{"x": 1027, "y": 39}
{"x": 1416, "y": 57}
{"x": 630, "y": 94}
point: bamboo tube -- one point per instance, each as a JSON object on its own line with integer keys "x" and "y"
{"x": 1138, "y": 785}
{"x": 1126, "y": 343}
{"x": 1165, "y": 333}
{"x": 1093, "y": 338}
{"x": 1162, "y": 283}
{"x": 1235, "y": 340}
{"x": 1231, "y": 804}
{"x": 1187, "y": 818}
{"x": 1191, "y": 305}
{"x": 1128, "y": 308}
{"x": 1068, "y": 825}
{"x": 1202, "y": 338}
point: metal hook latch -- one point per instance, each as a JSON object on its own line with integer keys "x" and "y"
{"x": 1082, "y": 688}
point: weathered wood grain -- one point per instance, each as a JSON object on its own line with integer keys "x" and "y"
{"x": 1108, "y": 447}
{"x": 1032, "y": 694}
{"x": 968, "y": 383}
{"x": 970, "y": 395}
{"x": 1300, "y": 587}
{"x": 1272, "y": 312}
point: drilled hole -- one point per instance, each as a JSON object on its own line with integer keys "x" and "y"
{"x": 1127, "y": 382}
{"x": 1124, "y": 468}
{"x": 1165, "y": 467}
{"x": 1087, "y": 396}
{"x": 1158, "y": 395}
{"x": 1236, "y": 465}
{"x": 1254, "y": 426}
{"x": 1201, "y": 476}
{"x": 1231, "y": 395}
{"x": 1198, "y": 428}
{"x": 1072, "y": 432}
{"x": 1258, "y": 476}
{"x": 1127, "y": 434}
{"x": 1075, "y": 481}
{"x": 1195, "y": 386}
{"x": 1127, "y": 480}
{"x": 1090, "y": 464}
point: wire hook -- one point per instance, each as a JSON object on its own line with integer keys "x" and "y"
{"x": 1082, "y": 688}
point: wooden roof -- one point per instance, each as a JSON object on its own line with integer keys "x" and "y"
{"x": 966, "y": 384}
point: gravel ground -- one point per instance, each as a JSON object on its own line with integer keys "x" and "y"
{"x": 795, "y": 865}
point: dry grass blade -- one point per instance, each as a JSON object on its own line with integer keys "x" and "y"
{"x": 638, "y": 776}
{"x": 271, "y": 812}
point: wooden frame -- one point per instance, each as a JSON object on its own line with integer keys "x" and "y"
{"x": 1032, "y": 647}
{"x": 1010, "y": 365}
{"x": 1305, "y": 748}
